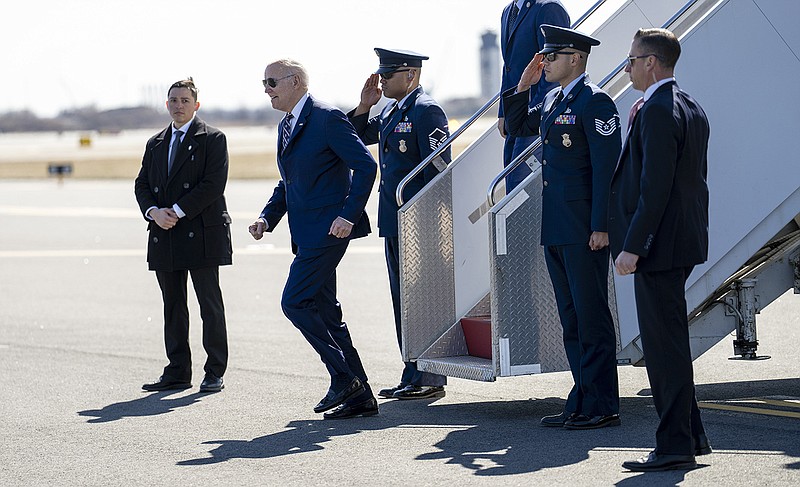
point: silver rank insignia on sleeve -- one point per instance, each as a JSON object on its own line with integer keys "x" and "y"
{"x": 606, "y": 128}
{"x": 436, "y": 138}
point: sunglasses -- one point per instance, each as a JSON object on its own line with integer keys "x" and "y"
{"x": 551, "y": 56}
{"x": 631, "y": 59}
{"x": 390, "y": 75}
{"x": 273, "y": 82}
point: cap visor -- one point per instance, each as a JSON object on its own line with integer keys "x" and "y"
{"x": 385, "y": 70}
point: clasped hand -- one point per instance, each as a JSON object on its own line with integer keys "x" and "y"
{"x": 165, "y": 218}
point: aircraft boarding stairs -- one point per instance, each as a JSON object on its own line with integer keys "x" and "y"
{"x": 477, "y": 302}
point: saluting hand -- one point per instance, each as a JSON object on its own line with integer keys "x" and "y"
{"x": 370, "y": 94}
{"x": 532, "y": 73}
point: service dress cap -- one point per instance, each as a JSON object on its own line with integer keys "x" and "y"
{"x": 558, "y": 38}
{"x": 394, "y": 59}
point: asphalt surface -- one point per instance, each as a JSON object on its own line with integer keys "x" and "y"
{"x": 81, "y": 331}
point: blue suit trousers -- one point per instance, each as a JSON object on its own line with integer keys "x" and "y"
{"x": 309, "y": 302}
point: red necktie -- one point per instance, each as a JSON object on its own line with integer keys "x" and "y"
{"x": 634, "y": 110}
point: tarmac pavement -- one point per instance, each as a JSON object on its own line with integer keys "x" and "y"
{"x": 81, "y": 331}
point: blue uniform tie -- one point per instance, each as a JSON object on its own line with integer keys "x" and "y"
{"x": 512, "y": 16}
{"x": 559, "y": 97}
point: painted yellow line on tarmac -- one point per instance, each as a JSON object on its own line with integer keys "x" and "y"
{"x": 752, "y": 410}
{"x": 62, "y": 212}
{"x": 8, "y": 254}
{"x": 96, "y": 212}
{"x": 780, "y": 403}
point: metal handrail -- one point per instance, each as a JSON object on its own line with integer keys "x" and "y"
{"x": 523, "y": 156}
{"x": 588, "y": 13}
{"x": 621, "y": 66}
{"x": 398, "y": 195}
{"x": 614, "y": 72}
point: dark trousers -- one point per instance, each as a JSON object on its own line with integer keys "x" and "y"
{"x": 410, "y": 373}
{"x": 176, "y": 321}
{"x": 664, "y": 328}
{"x": 309, "y": 301}
{"x": 512, "y": 148}
{"x": 580, "y": 282}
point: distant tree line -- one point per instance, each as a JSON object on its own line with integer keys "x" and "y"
{"x": 92, "y": 119}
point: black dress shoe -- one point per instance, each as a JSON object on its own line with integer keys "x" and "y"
{"x": 333, "y": 398}
{"x": 557, "y": 420}
{"x": 166, "y": 384}
{"x": 583, "y": 422}
{"x": 702, "y": 446}
{"x": 657, "y": 463}
{"x": 419, "y": 392}
{"x": 388, "y": 393}
{"x": 352, "y": 409}
{"x": 212, "y": 383}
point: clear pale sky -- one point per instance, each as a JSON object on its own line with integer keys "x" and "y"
{"x": 61, "y": 54}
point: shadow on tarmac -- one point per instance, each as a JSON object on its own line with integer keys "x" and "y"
{"x": 500, "y": 438}
{"x": 490, "y": 438}
{"x": 152, "y": 404}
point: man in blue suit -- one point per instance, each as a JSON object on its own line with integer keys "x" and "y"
{"x": 326, "y": 176}
{"x": 658, "y": 224}
{"x": 520, "y": 39}
{"x": 579, "y": 126}
{"x": 408, "y": 131}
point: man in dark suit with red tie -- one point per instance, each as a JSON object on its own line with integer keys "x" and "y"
{"x": 180, "y": 193}
{"x": 521, "y": 38}
{"x": 326, "y": 177}
{"x": 658, "y": 226}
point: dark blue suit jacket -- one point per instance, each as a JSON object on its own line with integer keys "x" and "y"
{"x": 326, "y": 172}
{"x": 659, "y": 195}
{"x": 581, "y": 144}
{"x": 525, "y": 39}
{"x": 414, "y": 130}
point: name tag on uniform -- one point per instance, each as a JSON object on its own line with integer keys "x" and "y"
{"x": 566, "y": 119}
{"x": 403, "y": 128}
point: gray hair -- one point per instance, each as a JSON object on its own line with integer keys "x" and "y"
{"x": 294, "y": 67}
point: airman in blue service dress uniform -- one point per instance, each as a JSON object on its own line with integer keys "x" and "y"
{"x": 407, "y": 131}
{"x": 579, "y": 126}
